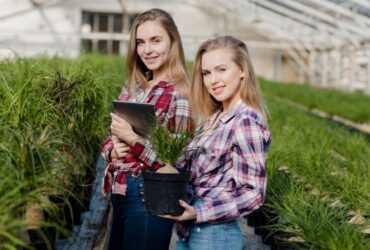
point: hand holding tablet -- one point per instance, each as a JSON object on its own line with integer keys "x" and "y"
{"x": 141, "y": 116}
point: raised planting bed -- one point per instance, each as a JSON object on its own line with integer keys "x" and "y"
{"x": 53, "y": 115}
{"x": 351, "y": 106}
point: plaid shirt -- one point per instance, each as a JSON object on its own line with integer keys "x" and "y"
{"x": 172, "y": 108}
{"x": 228, "y": 167}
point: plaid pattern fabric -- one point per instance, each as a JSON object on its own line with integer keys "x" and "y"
{"x": 172, "y": 109}
{"x": 228, "y": 167}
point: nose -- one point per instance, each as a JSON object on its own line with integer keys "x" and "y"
{"x": 148, "y": 48}
{"x": 214, "y": 78}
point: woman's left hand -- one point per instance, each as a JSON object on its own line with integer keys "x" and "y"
{"x": 123, "y": 130}
{"x": 188, "y": 214}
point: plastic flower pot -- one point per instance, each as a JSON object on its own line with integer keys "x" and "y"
{"x": 267, "y": 232}
{"x": 252, "y": 218}
{"x": 162, "y": 192}
{"x": 267, "y": 236}
{"x": 286, "y": 241}
{"x": 261, "y": 222}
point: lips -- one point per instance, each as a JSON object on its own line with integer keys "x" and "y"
{"x": 218, "y": 90}
{"x": 151, "y": 60}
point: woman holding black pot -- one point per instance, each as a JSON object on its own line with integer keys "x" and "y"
{"x": 156, "y": 73}
{"x": 227, "y": 158}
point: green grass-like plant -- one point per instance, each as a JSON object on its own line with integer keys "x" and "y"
{"x": 50, "y": 129}
{"x": 352, "y": 106}
{"x": 168, "y": 144}
{"x": 322, "y": 156}
{"x": 53, "y": 115}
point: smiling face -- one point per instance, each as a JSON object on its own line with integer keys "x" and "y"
{"x": 222, "y": 76}
{"x": 153, "y": 45}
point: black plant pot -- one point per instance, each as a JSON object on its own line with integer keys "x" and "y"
{"x": 253, "y": 218}
{"x": 261, "y": 222}
{"x": 283, "y": 241}
{"x": 162, "y": 192}
{"x": 267, "y": 231}
{"x": 267, "y": 235}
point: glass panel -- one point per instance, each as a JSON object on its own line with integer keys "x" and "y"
{"x": 87, "y": 18}
{"x": 115, "y": 47}
{"x": 102, "y": 46}
{"x": 103, "y": 22}
{"x": 131, "y": 19}
{"x": 118, "y": 23}
{"x": 86, "y": 45}
{"x": 87, "y": 22}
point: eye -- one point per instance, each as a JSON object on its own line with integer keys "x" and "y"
{"x": 138, "y": 42}
{"x": 157, "y": 40}
{"x": 205, "y": 73}
{"x": 222, "y": 69}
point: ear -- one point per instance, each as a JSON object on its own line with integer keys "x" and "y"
{"x": 242, "y": 74}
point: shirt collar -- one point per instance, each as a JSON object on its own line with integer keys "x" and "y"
{"x": 163, "y": 84}
{"x": 233, "y": 111}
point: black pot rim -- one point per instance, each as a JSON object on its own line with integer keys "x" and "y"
{"x": 152, "y": 176}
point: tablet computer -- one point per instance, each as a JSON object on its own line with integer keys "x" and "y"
{"x": 141, "y": 116}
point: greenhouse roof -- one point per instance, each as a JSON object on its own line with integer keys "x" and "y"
{"x": 306, "y": 24}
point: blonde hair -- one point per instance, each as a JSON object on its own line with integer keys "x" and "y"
{"x": 202, "y": 103}
{"x": 175, "y": 63}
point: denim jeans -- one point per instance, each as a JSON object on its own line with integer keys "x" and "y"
{"x": 205, "y": 236}
{"x": 134, "y": 228}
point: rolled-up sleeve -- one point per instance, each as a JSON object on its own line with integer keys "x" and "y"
{"x": 249, "y": 173}
{"x": 106, "y": 148}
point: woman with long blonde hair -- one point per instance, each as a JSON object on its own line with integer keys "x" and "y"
{"x": 156, "y": 74}
{"x": 227, "y": 159}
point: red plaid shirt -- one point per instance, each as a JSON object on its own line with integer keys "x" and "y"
{"x": 172, "y": 108}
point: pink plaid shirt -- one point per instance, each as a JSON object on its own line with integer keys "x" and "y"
{"x": 228, "y": 167}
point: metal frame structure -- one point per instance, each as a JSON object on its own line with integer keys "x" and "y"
{"x": 327, "y": 42}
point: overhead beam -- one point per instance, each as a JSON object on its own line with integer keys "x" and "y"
{"x": 360, "y": 20}
{"x": 323, "y": 16}
{"x": 327, "y": 31}
{"x": 269, "y": 30}
{"x": 363, "y": 3}
{"x": 39, "y": 7}
{"x": 29, "y": 8}
{"x": 256, "y": 13}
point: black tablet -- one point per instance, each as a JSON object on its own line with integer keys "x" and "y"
{"x": 141, "y": 116}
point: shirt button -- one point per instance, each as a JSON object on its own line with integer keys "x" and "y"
{"x": 198, "y": 229}
{"x": 143, "y": 200}
{"x": 141, "y": 164}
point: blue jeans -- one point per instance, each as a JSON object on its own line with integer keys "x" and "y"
{"x": 134, "y": 228}
{"x": 205, "y": 236}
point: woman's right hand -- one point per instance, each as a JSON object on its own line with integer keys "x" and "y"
{"x": 120, "y": 149}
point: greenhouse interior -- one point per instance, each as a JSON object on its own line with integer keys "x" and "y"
{"x": 63, "y": 62}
